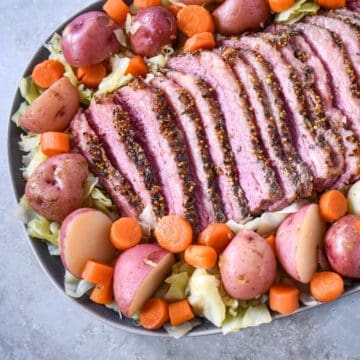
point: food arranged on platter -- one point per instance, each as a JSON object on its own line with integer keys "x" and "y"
{"x": 198, "y": 160}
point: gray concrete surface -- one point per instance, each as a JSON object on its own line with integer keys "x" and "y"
{"x": 37, "y": 322}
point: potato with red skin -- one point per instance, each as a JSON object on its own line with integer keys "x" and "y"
{"x": 85, "y": 235}
{"x": 53, "y": 110}
{"x": 138, "y": 273}
{"x": 56, "y": 187}
{"x": 247, "y": 266}
{"x": 234, "y": 17}
{"x": 298, "y": 240}
{"x": 89, "y": 39}
{"x": 157, "y": 27}
{"x": 342, "y": 246}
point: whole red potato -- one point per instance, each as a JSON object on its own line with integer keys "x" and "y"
{"x": 342, "y": 245}
{"x": 89, "y": 39}
{"x": 236, "y": 16}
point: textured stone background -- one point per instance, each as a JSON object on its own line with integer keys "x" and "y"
{"x": 37, "y": 322}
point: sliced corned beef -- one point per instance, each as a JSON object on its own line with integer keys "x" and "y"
{"x": 113, "y": 127}
{"x": 233, "y": 198}
{"x": 285, "y": 173}
{"x": 190, "y": 123}
{"x": 313, "y": 149}
{"x": 164, "y": 143}
{"x": 120, "y": 190}
{"x": 257, "y": 178}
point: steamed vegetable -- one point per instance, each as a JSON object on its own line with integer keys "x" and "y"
{"x": 138, "y": 273}
{"x": 342, "y": 245}
{"x": 47, "y": 73}
{"x": 137, "y": 66}
{"x": 297, "y": 241}
{"x": 97, "y": 273}
{"x": 117, "y": 10}
{"x": 353, "y": 197}
{"x": 154, "y": 314}
{"x": 178, "y": 285}
{"x": 53, "y": 109}
{"x": 89, "y": 39}
{"x": 332, "y": 4}
{"x": 333, "y": 205}
{"x": 218, "y": 236}
{"x": 85, "y": 235}
{"x": 91, "y": 75}
{"x": 236, "y": 16}
{"x": 281, "y": 5}
{"x": 54, "y": 190}
{"x": 180, "y": 312}
{"x": 326, "y": 286}
{"x": 54, "y": 143}
{"x": 195, "y": 19}
{"x": 284, "y": 299}
{"x": 156, "y": 27}
{"x": 201, "y": 256}
{"x": 205, "y": 297}
{"x": 300, "y": 9}
{"x": 247, "y": 266}
{"x": 143, "y": 4}
{"x": 204, "y": 40}
{"x": 28, "y": 89}
{"x": 125, "y": 233}
{"x": 102, "y": 293}
{"x": 173, "y": 233}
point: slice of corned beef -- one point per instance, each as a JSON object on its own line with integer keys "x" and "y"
{"x": 164, "y": 143}
{"x": 286, "y": 175}
{"x": 233, "y": 198}
{"x": 257, "y": 178}
{"x": 113, "y": 127}
{"x": 313, "y": 149}
{"x": 277, "y": 106}
{"x": 120, "y": 190}
{"x": 355, "y": 7}
{"x": 345, "y": 12}
{"x": 189, "y": 121}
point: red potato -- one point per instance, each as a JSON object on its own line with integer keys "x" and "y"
{"x": 53, "y": 110}
{"x": 56, "y": 187}
{"x": 298, "y": 240}
{"x": 236, "y": 16}
{"x": 138, "y": 273}
{"x": 85, "y": 235}
{"x": 89, "y": 39}
{"x": 247, "y": 266}
{"x": 157, "y": 27}
{"x": 342, "y": 246}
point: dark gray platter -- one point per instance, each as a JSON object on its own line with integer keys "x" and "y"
{"x": 52, "y": 264}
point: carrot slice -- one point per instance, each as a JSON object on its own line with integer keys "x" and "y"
{"x": 173, "y": 233}
{"x": 117, "y": 10}
{"x": 125, "y": 233}
{"x": 331, "y": 4}
{"x": 180, "y": 312}
{"x": 97, "y": 273}
{"x": 218, "y": 236}
{"x": 284, "y": 298}
{"x": 143, "y": 4}
{"x": 201, "y": 256}
{"x": 103, "y": 293}
{"x": 47, "y": 73}
{"x": 333, "y": 205}
{"x": 137, "y": 66}
{"x": 271, "y": 241}
{"x": 194, "y": 19}
{"x": 154, "y": 314}
{"x": 326, "y": 286}
{"x": 174, "y": 9}
{"x": 204, "y": 40}
{"x": 91, "y": 75}
{"x": 54, "y": 143}
{"x": 280, "y": 5}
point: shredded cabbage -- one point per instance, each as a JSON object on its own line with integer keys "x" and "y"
{"x": 205, "y": 296}
{"x": 300, "y": 9}
{"x": 113, "y": 306}
{"x": 179, "y": 331}
{"x": 253, "y": 316}
{"x": 19, "y": 113}
{"x": 268, "y": 222}
{"x": 159, "y": 61}
{"x": 121, "y": 37}
{"x": 117, "y": 77}
{"x": 136, "y": 319}
{"x": 178, "y": 285}
{"x": 75, "y": 287}
{"x": 354, "y": 199}
{"x": 307, "y": 299}
{"x": 29, "y": 91}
